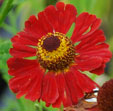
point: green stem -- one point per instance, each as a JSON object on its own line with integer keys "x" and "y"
{"x": 7, "y": 5}
{"x": 21, "y": 105}
{"x": 62, "y": 108}
{"x": 38, "y": 107}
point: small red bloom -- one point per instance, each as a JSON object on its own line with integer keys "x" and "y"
{"x": 55, "y": 74}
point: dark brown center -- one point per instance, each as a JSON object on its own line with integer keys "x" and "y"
{"x": 51, "y": 43}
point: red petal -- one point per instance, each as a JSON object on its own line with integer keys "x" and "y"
{"x": 61, "y": 17}
{"x": 26, "y": 86}
{"x": 18, "y": 66}
{"x": 88, "y": 51}
{"x": 20, "y": 50}
{"x": 83, "y": 22}
{"x": 51, "y": 15}
{"x": 26, "y": 81}
{"x": 75, "y": 90}
{"x": 24, "y": 39}
{"x": 50, "y": 89}
{"x": 99, "y": 46}
{"x": 21, "y": 45}
{"x": 34, "y": 27}
{"x": 84, "y": 82}
{"x": 99, "y": 70}
{"x": 36, "y": 89}
{"x": 60, "y": 6}
{"x": 100, "y": 50}
{"x": 16, "y": 83}
{"x": 64, "y": 95}
{"x": 93, "y": 46}
{"x": 60, "y": 80}
{"x": 96, "y": 38}
{"x": 44, "y": 23}
{"x": 69, "y": 18}
{"x": 89, "y": 64}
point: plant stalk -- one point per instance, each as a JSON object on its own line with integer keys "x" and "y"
{"x": 7, "y": 5}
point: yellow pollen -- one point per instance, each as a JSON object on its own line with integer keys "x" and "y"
{"x": 55, "y": 52}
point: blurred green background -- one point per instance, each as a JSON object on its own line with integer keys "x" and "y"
{"x": 13, "y": 14}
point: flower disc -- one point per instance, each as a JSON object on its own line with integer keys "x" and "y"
{"x": 55, "y": 52}
{"x": 105, "y": 96}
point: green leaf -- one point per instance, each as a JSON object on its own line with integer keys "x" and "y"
{"x": 42, "y": 107}
{"x": 5, "y": 45}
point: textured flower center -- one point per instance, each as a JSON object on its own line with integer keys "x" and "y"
{"x": 55, "y": 52}
{"x": 105, "y": 96}
{"x": 51, "y": 43}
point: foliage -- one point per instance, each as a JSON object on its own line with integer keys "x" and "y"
{"x": 4, "y": 55}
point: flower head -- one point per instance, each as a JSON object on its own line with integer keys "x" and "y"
{"x": 55, "y": 71}
{"x": 105, "y": 96}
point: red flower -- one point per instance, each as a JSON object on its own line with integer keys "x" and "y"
{"x": 54, "y": 73}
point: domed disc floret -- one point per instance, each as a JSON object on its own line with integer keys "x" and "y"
{"x": 55, "y": 52}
